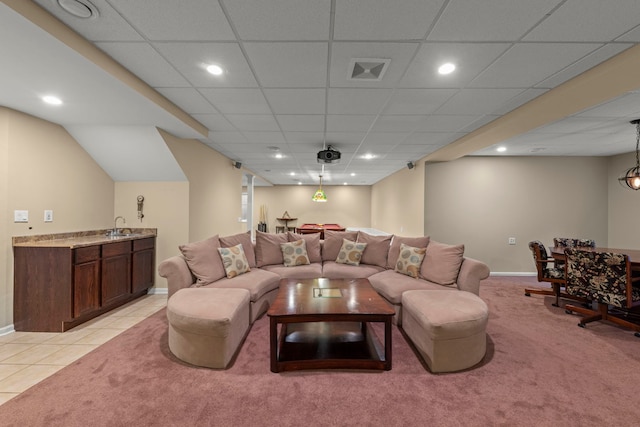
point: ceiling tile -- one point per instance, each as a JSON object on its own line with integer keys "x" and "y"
{"x": 349, "y": 123}
{"x": 489, "y": 20}
{"x": 276, "y": 138}
{"x": 227, "y": 137}
{"x": 301, "y": 122}
{"x": 280, "y": 19}
{"x": 191, "y": 60}
{"x": 296, "y": 101}
{"x": 404, "y": 123}
{"x": 357, "y": 101}
{"x": 542, "y": 59}
{"x": 214, "y": 122}
{"x": 588, "y": 21}
{"x": 470, "y": 59}
{"x": 165, "y": 19}
{"x": 477, "y": 101}
{"x": 253, "y": 122}
{"x": 418, "y": 101}
{"x": 384, "y": 20}
{"x": 446, "y": 123}
{"x": 289, "y": 64}
{"x": 237, "y": 101}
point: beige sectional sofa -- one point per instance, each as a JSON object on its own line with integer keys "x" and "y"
{"x": 443, "y": 267}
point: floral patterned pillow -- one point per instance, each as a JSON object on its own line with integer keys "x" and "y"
{"x": 234, "y": 260}
{"x": 294, "y": 253}
{"x": 350, "y": 252}
{"x": 410, "y": 260}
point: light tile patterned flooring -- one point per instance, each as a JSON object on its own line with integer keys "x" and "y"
{"x": 27, "y": 358}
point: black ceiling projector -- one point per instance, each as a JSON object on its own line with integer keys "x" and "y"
{"x": 328, "y": 156}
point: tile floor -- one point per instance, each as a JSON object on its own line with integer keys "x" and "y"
{"x": 29, "y": 357}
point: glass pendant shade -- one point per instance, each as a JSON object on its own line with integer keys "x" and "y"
{"x": 319, "y": 195}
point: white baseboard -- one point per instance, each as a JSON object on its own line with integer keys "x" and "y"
{"x": 6, "y": 330}
{"x": 158, "y": 291}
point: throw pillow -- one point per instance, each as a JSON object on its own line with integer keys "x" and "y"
{"x": 377, "y": 249}
{"x": 294, "y": 253}
{"x": 333, "y": 243}
{"x": 410, "y": 260}
{"x": 234, "y": 261}
{"x": 268, "y": 250}
{"x": 442, "y": 263}
{"x": 313, "y": 244}
{"x": 394, "y": 250}
{"x": 350, "y": 252}
{"x": 247, "y": 245}
{"x": 203, "y": 260}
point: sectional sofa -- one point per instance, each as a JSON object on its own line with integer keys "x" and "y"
{"x": 393, "y": 264}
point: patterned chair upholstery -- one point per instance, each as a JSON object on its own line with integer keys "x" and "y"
{"x": 604, "y": 277}
{"x": 568, "y": 242}
{"x": 546, "y": 273}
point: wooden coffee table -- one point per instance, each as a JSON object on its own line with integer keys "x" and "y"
{"x": 325, "y": 324}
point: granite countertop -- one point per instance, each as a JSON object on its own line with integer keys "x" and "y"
{"x": 81, "y": 238}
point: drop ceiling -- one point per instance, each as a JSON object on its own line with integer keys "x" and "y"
{"x": 287, "y": 88}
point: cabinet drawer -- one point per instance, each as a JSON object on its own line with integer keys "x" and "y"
{"x": 90, "y": 253}
{"x": 113, "y": 249}
{"x": 141, "y": 244}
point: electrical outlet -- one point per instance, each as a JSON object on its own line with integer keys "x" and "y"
{"x": 20, "y": 216}
{"x": 48, "y": 215}
{"x": 512, "y": 240}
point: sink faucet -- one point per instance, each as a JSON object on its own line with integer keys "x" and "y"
{"x": 115, "y": 224}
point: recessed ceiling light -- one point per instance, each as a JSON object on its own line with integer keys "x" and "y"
{"x": 353, "y": 174}
{"x": 279, "y": 156}
{"x": 299, "y": 182}
{"x": 447, "y": 68}
{"x": 292, "y": 174}
{"x": 79, "y": 8}
{"x": 344, "y": 183}
{"x": 501, "y": 149}
{"x": 53, "y": 100}
{"x": 214, "y": 69}
{"x": 368, "y": 156}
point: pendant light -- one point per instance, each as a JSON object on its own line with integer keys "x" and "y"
{"x": 319, "y": 195}
{"x": 631, "y": 178}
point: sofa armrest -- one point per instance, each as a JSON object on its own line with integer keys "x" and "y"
{"x": 471, "y": 273}
{"x": 177, "y": 273}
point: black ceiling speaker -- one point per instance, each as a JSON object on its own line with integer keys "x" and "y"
{"x": 411, "y": 165}
{"x": 328, "y": 156}
{"x": 237, "y": 165}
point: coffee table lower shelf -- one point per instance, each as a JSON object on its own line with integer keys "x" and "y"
{"x": 328, "y": 345}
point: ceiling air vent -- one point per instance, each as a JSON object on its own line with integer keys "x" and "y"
{"x": 367, "y": 69}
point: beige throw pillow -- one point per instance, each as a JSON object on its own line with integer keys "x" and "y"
{"x": 442, "y": 263}
{"x": 203, "y": 260}
{"x": 410, "y": 260}
{"x": 394, "y": 250}
{"x": 247, "y": 245}
{"x": 234, "y": 261}
{"x": 333, "y": 243}
{"x": 350, "y": 252}
{"x": 294, "y": 253}
{"x": 313, "y": 244}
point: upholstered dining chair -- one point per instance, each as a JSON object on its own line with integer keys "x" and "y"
{"x": 605, "y": 278}
{"x": 569, "y": 242}
{"x": 547, "y": 272}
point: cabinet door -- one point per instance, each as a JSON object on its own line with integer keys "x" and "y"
{"x": 142, "y": 276}
{"x": 116, "y": 278}
{"x": 86, "y": 287}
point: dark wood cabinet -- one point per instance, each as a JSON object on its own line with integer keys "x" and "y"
{"x": 58, "y": 288}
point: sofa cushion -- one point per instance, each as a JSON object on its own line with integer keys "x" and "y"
{"x": 257, "y": 281}
{"x": 350, "y": 252}
{"x": 334, "y": 270}
{"x": 310, "y": 271}
{"x": 234, "y": 260}
{"x": 313, "y": 244}
{"x": 294, "y": 253}
{"x": 377, "y": 249}
{"x": 410, "y": 260}
{"x": 268, "y": 248}
{"x": 392, "y": 285}
{"x": 247, "y": 245}
{"x": 394, "y": 249}
{"x": 442, "y": 263}
{"x": 333, "y": 243}
{"x": 204, "y": 260}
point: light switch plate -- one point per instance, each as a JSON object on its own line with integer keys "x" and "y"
{"x": 20, "y": 216}
{"x": 48, "y": 215}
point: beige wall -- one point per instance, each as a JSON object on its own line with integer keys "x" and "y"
{"x": 166, "y": 207}
{"x": 46, "y": 169}
{"x": 397, "y": 202}
{"x": 482, "y": 201}
{"x": 349, "y": 206}
{"x": 215, "y": 189}
{"x": 624, "y": 205}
